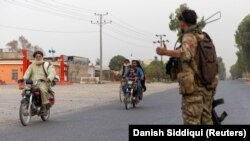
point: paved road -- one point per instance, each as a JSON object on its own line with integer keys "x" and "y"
{"x": 237, "y": 101}
{"x": 110, "y": 122}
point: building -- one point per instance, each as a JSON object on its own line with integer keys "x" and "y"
{"x": 76, "y": 67}
{"x": 107, "y": 74}
{"x": 11, "y": 67}
{"x": 10, "y": 71}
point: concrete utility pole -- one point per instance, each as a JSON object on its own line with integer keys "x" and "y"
{"x": 101, "y": 22}
{"x": 161, "y": 41}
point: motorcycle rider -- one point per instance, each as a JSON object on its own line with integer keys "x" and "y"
{"x": 132, "y": 73}
{"x": 36, "y": 71}
{"x": 144, "y": 79}
{"x": 140, "y": 76}
{"x": 125, "y": 66}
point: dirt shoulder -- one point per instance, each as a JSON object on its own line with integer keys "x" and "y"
{"x": 69, "y": 98}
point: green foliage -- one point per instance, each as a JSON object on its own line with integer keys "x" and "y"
{"x": 13, "y": 45}
{"x": 242, "y": 36}
{"x": 143, "y": 65}
{"x": 116, "y": 62}
{"x": 235, "y": 72}
{"x": 25, "y": 44}
{"x": 155, "y": 71}
{"x": 97, "y": 62}
{"x": 222, "y": 69}
{"x": 174, "y": 22}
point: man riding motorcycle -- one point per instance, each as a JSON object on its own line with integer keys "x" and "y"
{"x": 140, "y": 76}
{"x": 126, "y": 65}
{"x": 37, "y": 72}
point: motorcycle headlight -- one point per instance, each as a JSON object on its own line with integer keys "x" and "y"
{"x": 27, "y": 92}
{"x": 28, "y": 87}
{"x": 130, "y": 82}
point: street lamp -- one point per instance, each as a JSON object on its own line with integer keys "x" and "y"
{"x": 52, "y": 51}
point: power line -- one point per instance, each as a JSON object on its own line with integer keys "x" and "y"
{"x": 28, "y": 6}
{"x": 130, "y": 43}
{"x": 130, "y": 29}
{"x": 130, "y": 26}
{"x": 101, "y": 22}
{"x": 125, "y": 25}
{"x": 76, "y": 7}
{"x": 47, "y": 5}
{"x": 62, "y": 9}
{"x": 126, "y": 34}
{"x": 49, "y": 31}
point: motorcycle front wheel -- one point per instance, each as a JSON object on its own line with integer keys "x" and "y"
{"x": 127, "y": 105}
{"x": 25, "y": 113}
{"x": 127, "y": 101}
{"x": 121, "y": 93}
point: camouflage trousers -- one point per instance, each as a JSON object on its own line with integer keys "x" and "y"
{"x": 197, "y": 107}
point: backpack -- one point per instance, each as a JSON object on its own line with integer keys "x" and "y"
{"x": 206, "y": 59}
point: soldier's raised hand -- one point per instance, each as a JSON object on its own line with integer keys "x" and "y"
{"x": 160, "y": 51}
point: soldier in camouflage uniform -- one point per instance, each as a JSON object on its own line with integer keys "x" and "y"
{"x": 196, "y": 99}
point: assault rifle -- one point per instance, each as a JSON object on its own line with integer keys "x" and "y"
{"x": 218, "y": 119}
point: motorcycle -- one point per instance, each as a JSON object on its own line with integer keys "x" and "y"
{"x": 130, "y": 93}
{"x": 31, "y": 103}
{"x": 122, "y": 85}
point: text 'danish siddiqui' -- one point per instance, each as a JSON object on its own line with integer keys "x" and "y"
{"x": 188, "y": 133}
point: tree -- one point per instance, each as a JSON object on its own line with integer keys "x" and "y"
{"x": 116, "y": 62}
{"x": 222, "y": 69}
{"x": 13, "y": 45}
{"x": 242, "y": 37}
{"x": 174, "y": 22}
{"x": 235, "y": 72}
{"x": 97, "y": 62}
{"x": 238, "y": 68}
{"x": 36, "y": 48}
{"x": 155, "y": 71}
{"x": 24, "y": 42}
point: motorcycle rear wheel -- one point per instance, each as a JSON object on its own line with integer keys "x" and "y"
{"x": 47, "y": 116}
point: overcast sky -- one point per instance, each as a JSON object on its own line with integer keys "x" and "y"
{"x": 66, "y": 25}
